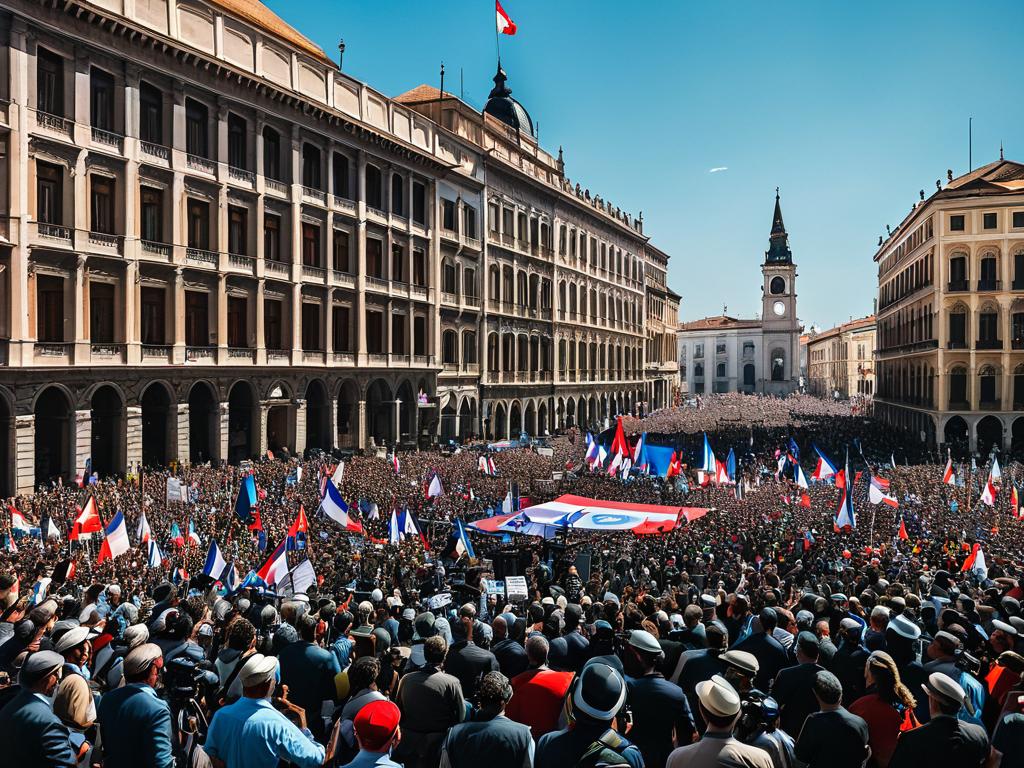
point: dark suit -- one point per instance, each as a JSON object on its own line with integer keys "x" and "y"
{"x": 309, "y": 671}
{"x": 771, "y": 657}
{"x": 32, "y": 736}
{"x": 135, "y": 726}
{"x": 700, "y": 666}
{"x": 511, "y": 656}
{"x": 943, "y": 740}
{"x": 794, "y": 690}
{"x": 496, "y": 743}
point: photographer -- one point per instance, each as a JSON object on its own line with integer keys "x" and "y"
{"x": 759, "y": 727}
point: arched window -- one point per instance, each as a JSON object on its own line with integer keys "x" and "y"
{"x": 958, "y": 272}
{"x": 777, "y": 286}
{"x": 449, "y": 348}
{"x": 720, "y": 370}
{"x": 987, "y": 391}
{"x": 778, "y": 364}
{"x": 988, "y": 327}
{"x": 958, "y": 327}
{"x": 468, "y": 347}
{"x": 989, "y": 269}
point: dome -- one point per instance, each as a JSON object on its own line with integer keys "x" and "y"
{"x": 501, "y": 105}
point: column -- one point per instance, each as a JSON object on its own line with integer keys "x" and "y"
{"x": 133, "y": 436}
{"x": 397, "y": 423}
{"x": 300, "y": 426}
{"x": 220, "y": 441}
{"x": 177, "y": 300}
{"x": 25, "y": 453}
{"x": 362, "y": 435}
{"x": 81, "y": 332}
{"x": 328, "y": 325}
{"x": 83, "y": 440}
{"x": 132, "y": 291}
{"x": 222, "y": 319}
{"x": 261, "y": 336}
{"x": 297, "y": 324}
{"x": 332, "y": 421}
{"x": 262, "y": 444}
{"x": 361, "y": 272}
{"x": 183, "y": 448}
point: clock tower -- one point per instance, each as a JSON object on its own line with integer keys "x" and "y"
{"x": 780, "y": 362}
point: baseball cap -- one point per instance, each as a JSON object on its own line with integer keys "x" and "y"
{"x": 376, "y": 723}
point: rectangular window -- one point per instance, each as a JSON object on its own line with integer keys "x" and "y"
{"x": 196, "y": 129}
{"x": 198, "y": 224}
{"x": 374, "y": 187}
{"x": 152, "y": 214}
{"x": 341, "y": 327}
{"x": 310, "y": 166}
{"x": 271, "y": 237}
{"x": 448, "y": 278}
{"x": 49, "y": 193}
{"x": 102, "y": 205}
{"x": 698, "y": 350}
{"x": 448, "y": 214}
{"x": 49, "y": 308}
{"x": 151, "y": 114}
{"x": 958, "y": 329}
{"x": 492, "y": 216}
{"x": 341, "y": 251}
{"x": 374, "y": 258}
{"x": 273, "y": 323}
{"x": 419, "y": 203}
{"x": 271, "y": 154}
{"x": 419, "y": 268}
{"x": 469, "y": 221}
{"x": 152, "y": 315}
{"x": 197, "y": 319}
{"x": 311, "y": 327}
{"x": 238, "y": 231}
{"x": 341, "y": 185}
{"x": 49, "y": 83}
{"x": 238, "y": 313}
{"x": 101, "y": 313}
{"x": 956, "y": 223}
{"x": 310, "y": 245}
{"x": 101, "y": 99}
{"x": 237, "y": 150}
{"x": 397, "y": 263}
{"x": 398, "y": 334}
{"x": 990, "y": 220}
{"x": 374, "y": 332}
{"x": 508, "y": 221}
{"x": 1018, "y": 219}
{"x": 419, "y": 335}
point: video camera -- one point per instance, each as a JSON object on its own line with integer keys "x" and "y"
{"x": 182, "y": 680}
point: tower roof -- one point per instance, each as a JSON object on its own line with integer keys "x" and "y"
{"x": 778, "y": 241}
{"x": 502, "y": 106}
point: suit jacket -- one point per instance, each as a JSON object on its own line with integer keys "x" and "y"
{"x": 135, "y": 728}
{"x": 309, "y": 671}
{"x": 771, "y": 657}
{"x": 943, "y": 740}
{"x": 496, "y": 743}
{"x": 32, "y": 736}
{"x": 794, "y": 690}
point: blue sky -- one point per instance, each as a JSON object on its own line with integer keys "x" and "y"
{"x": 850, "y": 108}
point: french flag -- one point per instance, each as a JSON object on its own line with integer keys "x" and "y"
{"x": 142, "y": 530}
{"x": 845, "y": 515}
{"x": 215, "y": 562}
{"x": 176, "y": 536}
{"x": 801, "y": 478}
{"x": 463, "y": 546}
{"x": 709, "y": 463}
{"x": 825, "y": 468}
{"x": 396, "y": 465}
{"x": 155, "y": 557}
{"x": 88, "y": 521}
{"x": 275, "y": 568}
{"x": 336, "y": 509}
{"x": 18, "y": 521}
{"x": 115, "y": 539}
{"x": 593, "y": 450}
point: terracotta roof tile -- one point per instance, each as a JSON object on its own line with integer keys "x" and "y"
{"x": 718, "y": 322}
{"x": 421, "y": 93}
{"x": 257, "y": 13}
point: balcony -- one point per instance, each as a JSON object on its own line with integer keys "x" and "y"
{"x": 377, "y": 283}
{"x": 311, "y": 195}
{"x": 990, "y": 405}
{"x": 420, "y": 360}
{"x": 471, "y": 301}
{"x": 109, "y": 139}
{"x": 472, "y": 242}
{"x": 241, "y": 354}
{"x": 399, "y": 358}
{"x": 201, "y": 256}
{"x": 449, "y": 234}
{"x": 342, "y": 278}
{"x": 201, "y": 164}
{"x": 245, "y": 264}
{"x": 275, "y": 186}
{"x": 990, "y": 285}
{"x": 278, "y": 267}
{"x": 52, "y": 352}
{"x": 344, "y": 204}
{"x": 450, "y": 367}
{"x": 160, "y": 352}
{"x": 56, "y": 233}
{"x": 200, "y": 354}
{"x": 378, "y": 212}
{"x": 447, "y": 297}
{"x": 155, "y": 151}
{"x": 155, "y": 249}
{"x": 317, "y": 274}
{"x": 107, "y": 352}
{"x": 104, "y": 242}
{"x": 345, "y": 358}
{"x": 241, "y": 175}
{"x": 989, "y": 344}
{"x": 956, "y": 344}
{"x": 377, "y": 358}
{"x": 955, "y": 286}
{"x": 278, "y": 356}
{"x": 55, "y": 124}
{"x": 959, "y": 405}
{"x": 508, "y": 239}
{"x": 418, "y": 291}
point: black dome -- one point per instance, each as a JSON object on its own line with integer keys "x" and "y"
{"x": 501, "y": 105}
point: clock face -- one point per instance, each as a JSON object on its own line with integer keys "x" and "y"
{"x": 779, "y": 308}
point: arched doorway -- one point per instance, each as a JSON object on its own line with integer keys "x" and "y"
{"x": 107, "y": 415}
{"x": 466, "y": 420}
{"x": 318, "y": 416}
{"x": 500, "y": 424}
{"x": 515, "y": 420}
{"x": 569, "y": 414}
{"x": 531, "y": 419}
{"x": 543, "y": 427}
{"x": 1017, "y": 436}
{"x": 348, "y": 415}
{"x": 748, "y": 375}
{"x": 156, "y": 426}
{"x": 380, "y": 412}
{"x": 8, "y": 482}
{"x": 448, "y": 415}
{"x": 203, "y": 416}
{"x": 280, "y": 420}
{"x": 241, "y": 405}
{"x": 955, "y": 433}
{"x": 990, "y": 433}
{"x": 592, "y": 412}
{"x": 54, "y": 443}
{"x": 581, "y": 413}
{"x": 406, "y": 413}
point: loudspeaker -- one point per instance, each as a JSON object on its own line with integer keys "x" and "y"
{"x": 583, "y": 566}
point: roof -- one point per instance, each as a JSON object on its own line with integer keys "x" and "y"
{"x": 718, "y": 323}
{"x": 422, "y": 93}
{"x": 859, "y": 324}
{"x": 257, "y": 13}
{"x": 502, "y": 106}
{"x": 778, "y": 241}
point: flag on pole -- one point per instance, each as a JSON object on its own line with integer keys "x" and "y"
{"x": 709, "y": 461}
{"x": 276, "y": 566}
{"x": 193, "y": 537}
{"x": 673, "y": 466}
{"x": 215, "y": 562}
{"x": 949, "y": 477}
{"x": 730, "y": 464}
{"x": 336, "y": 509}
{"x": 296, "y": 538}
{"x": 176, "y": 536}
{"x": 395, "y": 463}
{"x": 995, "y": 473}
{"x": 52, "y": 531}
{"x": 339, "y": 473}
{"x": 88, "y": 521}
{"x": 721, "y": 474}
{"x": 878, "y": 492}
{"x": 115, "y": 539}
{"x": 800, "y": 477}
{"x": 825, "y": 468}
{"x": 155, "y": 556}
{"x": 247, "y": 498}
{"x": 902, "y": 533}
{"x": 845, "y": 515}
{"x": 619, "y": 442}
{"x": 463, "y": 546}
{"x": 435, "y": 488}
{"x": 989, "y": 493}
{"x": 142, "y": 530}
{"x": 505, "y": 25}
{"x": 18, "y": 521}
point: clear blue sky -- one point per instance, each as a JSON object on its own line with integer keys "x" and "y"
{"x": 850, "y": 108}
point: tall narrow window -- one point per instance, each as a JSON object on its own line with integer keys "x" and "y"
{"x": 310, "y": 166}
{"x": 238, "y": 313}
{"x": 196, "y": 128}
{"x": 49, "y": 83}
{"x": 101, "y": 313}
{"x": 448, "y": 214}
{"x": 397, "y": 263}
{"x": 419, "y": 268}
{"x": 419, "y": 203}
{"x": 469, "y": 221}
{"x": 374, "y": 192}
{"x": 311, "y": 327}
{"x": 271, "y": 154}
{"x": 197, "y": 319}
{"x": 49, "y": 308}
{"x": 151, "y": 114}
{"x": 273, "y": 323}
{"x": 101, "y": 99}
{"x": 198, "y": 224}
{"x": 238, "y": 156}
{"x": 341, "y": 328}
{"x": 374, "y": 258}
{"x": 271, "y": 237}
{"x": 238, "y": 231}
{"x": 341, "y": 181}
{"x": 341, "y": 251}
{"x": 397, "y": 194}
{"x": 310, "y": 245}
{"x": 152, "y": 214}
{"x": 152, "y": 315}
{"x": 49, "y": 193}
{"x": 102, "y": 205}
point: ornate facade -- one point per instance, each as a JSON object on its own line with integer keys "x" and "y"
{"x": 841, "y": 360}
{"x": 213, "y": 242}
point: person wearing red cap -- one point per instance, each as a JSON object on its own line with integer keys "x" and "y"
{"x": 377, "y": 731}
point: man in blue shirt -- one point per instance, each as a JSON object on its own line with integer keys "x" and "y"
{"x": 252, "y": 734}
{"x": 309, "y": 671}
{"x": 377, "y": 731}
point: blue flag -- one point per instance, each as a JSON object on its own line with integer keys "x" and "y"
{"x": 794, "y": 449}
{"x": 215, "y": 563}
{"x": 246, "y": 499}
{"x": 730, "y": 465}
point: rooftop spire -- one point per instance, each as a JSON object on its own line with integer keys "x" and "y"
{"x": 500, "y": 89}
{"x": 778, "y": 241}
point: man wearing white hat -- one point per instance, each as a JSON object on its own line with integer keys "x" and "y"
{"x": 943, "y": 740}
{"x": 251, "y": 733}
{"x": 720, "y": 708}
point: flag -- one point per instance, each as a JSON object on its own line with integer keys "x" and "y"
{"x": 902, "y": 533}
{"x": 975, "y": 562}
{"x": 505, "y": 25}
{"x": 808, "y": 540}
{"x": 638, "y": 450}
{"x": 845, "y": 515}
{"x": 115, "y": 539}
{"x": 593, "y": 450}
{"x": 395, "y": 464}
{"x": 88, "y": 521}
{"x": 176, "y": 536}
{"x": 511, "y": 503}
{"x": 988, "y": 494}
{"x": 615, "y": 464}
{"x": 193, "y": 537}
{"x": 995, "y": 473}
{"x": 673, "y": 466}
{"x": 18, "y": 521}
{"x": 215, "y": 562}
{"x": 949, "y": 477}
{"x": 1015, "y": 501}
{"x": 619, "y": 443}
{"x": 39, "y": 590}
{"x": 52, "y": 532}
{"x": 339, "y": 473}
{"x": 276, "y": 566}
{"x": 825, "y": 468}
{"x": 155, "y": 557}
{"x": 800, "y": 477}
{"x": 486, "y": 465}
{"x": 435, "y": 488}
{"x": 463, "y": 546}
{"x": 252, "y": 580}
{"x": 296, "y": 538}
{"x": 878, "y": 492}
{"x": 805, "y": 501}
{"x": 794, "y": 449}
{"x": 142, "y": 530}
{"x": 721, "y": 474}
{"x": 730, "y": 464}
{"x": 336, "y": 509}
{"x": 709, "y": 461}
{"x": 246, "y": 499}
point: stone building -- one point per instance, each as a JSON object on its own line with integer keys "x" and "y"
{"x": 213, "y": 242}
{"x": 841, "y": 360}
{"x": 950, "y": 352}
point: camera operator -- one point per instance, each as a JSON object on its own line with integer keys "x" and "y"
{"x": 759, "y": 727}
{"x": 185, "y": 686}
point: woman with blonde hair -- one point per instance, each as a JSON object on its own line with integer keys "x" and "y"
{"x": 887, "y": 707}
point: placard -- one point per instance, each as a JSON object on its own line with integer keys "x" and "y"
{"x": 439, "y": 600}
{"x": 515, "y": 586}
{"x": 492, "y": 587}
{"x": 173, "y": 489}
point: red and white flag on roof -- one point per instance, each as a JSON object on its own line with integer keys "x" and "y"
{"x": 505, "y": 25}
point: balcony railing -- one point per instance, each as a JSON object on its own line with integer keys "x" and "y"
{"x": 508, "y": 239}
{"x": 956, "y": 344}
{"x": 54, "y": 232}
{"x": 241, "y": 353}
{"x": 344, "y": 204}
{"x": 957, "y": 285}
{"x": 156, "y": 249}
{"x": 52, "y": 349}
{"x": 473, "y": 242}
{"x": 447, "y": 297}
{"x": 105, "y": 241}
{"x": 420, "y": 360}
{"x": 450, "y": 234}
{"x": 273, "y": 185}
{"x": 418, "y": 291}
{"x": 241, "y": 174}
{"x": 989, "y": 344}
{"x": 158, "y": 151}
{"x": 377, "y": 357}
{"x": 278, "y": 355}
{"x": 380, "y": 213}
{"x": 313, "y": 273}
{"x": 377, "y": 283}
{"x": 156, "y": 351}
{"x": 990, "y": 285}
{"x": 347, "y": 358}
{"x": 239, "y": 261}
{"x": 201, "y": 256}
{"x": 343, "y": 278}
{"x": 108, "y": 138}
{"x": 106, "y": 349}
{"x": 280, "y": 267}
{"x": 53, "y": 122}
{"x": 198, "y": 163}
{"x": 195, "y": 354}
{"x": 314, "y": 195}
{"x": 990, "y": 405}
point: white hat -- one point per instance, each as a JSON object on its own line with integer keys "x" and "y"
{"x": 258, "y": 669}
{"x": 71, "y": 638}
{"x": 376, "y": 595}
{"x": 942, "y": 686}
{"x": 904, "y": 627}
{"x": 718, "y": 697}
{"x": 140, "y": 658}
{"x": 136, "y": 635}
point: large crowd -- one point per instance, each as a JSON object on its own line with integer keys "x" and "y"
{"x": 756, "y": 635}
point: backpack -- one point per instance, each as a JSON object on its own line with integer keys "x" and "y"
{"x": 607, "y": 751}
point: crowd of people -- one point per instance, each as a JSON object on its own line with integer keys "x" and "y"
{"x": 756, "y": 635}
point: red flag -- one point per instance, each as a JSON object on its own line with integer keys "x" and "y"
{"x": 969, "y": 562}
{"x": 256, "y": 524}
{"x": 619, "y": 443}
{"x": 673, "y": 466}
{"x": 300, "y": 524}
{"x": 903, "y": 531}
{"x": 88, "y": 521}
{"x": 505, "y": 25}
{"x": 805, "y": 501}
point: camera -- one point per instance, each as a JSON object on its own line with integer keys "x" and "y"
{"x": 182, "y": 679}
